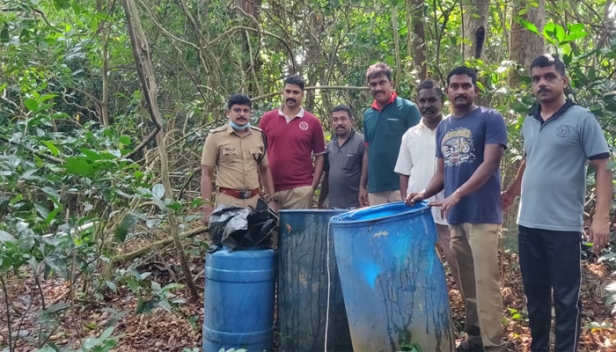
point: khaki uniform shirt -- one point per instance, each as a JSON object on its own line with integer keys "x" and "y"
{"x": 234, "y": 157}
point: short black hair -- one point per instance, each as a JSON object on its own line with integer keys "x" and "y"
{"x": 430, "y": 84}
{"x": 463, "y": 71}
{"x": 378, "y": 69}
{"x": 239, "y": 99}
{"x": 295, "y": 80}
{"x": 547, "y": 60}
{"x": 343, "y": 108}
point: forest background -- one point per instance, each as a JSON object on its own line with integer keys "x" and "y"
{"x": 105, "y": 106}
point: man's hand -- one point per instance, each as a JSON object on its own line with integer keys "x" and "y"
{"x": 447, "y": 204}
{"x": 507, "y": 199}
{"x": 207, "y": 211}
{"x": 274, "y": 206}
{"x": 363, "y": 197}
{"x": 414, "y": 197}
{"x": 320, "y": 205}
{"x": 599, "y": 233}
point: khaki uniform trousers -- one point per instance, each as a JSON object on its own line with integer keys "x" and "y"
{"x": 378, "y": 198}
{"x": 296, "y": 198}
{"x": 475, "y": 247}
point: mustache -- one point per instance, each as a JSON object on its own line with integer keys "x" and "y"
{"x": 377, "y": 92}
{"x": 543, "y": 90}
{"x": 292, "y": 99}
{"x": 429, "y": 110}
{"x": 460, "y": 97}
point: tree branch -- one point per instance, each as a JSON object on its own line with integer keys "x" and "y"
{"x": 264, "y": 96}
{"x": 35, "y": 152}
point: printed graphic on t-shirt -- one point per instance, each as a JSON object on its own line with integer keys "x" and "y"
{"x": 457, "y": 147}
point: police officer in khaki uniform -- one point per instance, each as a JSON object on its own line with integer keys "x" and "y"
{"x": 237, "y": 151}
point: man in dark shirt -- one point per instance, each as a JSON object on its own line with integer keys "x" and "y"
{"x": 343, "y": 162}
{"x": 470, "y": 143}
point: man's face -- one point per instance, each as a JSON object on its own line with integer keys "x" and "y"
{"x": 240, "y": 114}
{"x": 341, "y": 122}
{"x": 548, "y": 84}
{"x": 381, "y": 88}
{"x": 430, "y": 104}
{"x": 461, "y": 91}
{"x": 292, "y": 96}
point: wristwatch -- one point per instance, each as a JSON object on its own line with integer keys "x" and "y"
{"x": 274, "y": 199}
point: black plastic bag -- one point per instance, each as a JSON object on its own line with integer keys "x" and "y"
{"x": 243, "y": 228}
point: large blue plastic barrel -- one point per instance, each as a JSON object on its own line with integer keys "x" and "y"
{"x": 303, "y": 285}
{"x": 239, "y": 300}
{"x": 392, "y": 279}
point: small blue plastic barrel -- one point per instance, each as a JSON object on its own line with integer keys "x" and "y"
{"x": 303, "y": 285}
{"x": 239, "y": 300}
{"x": 393, "y": 282}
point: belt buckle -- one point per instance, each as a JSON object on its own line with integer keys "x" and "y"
{"x": 245, "y": 194}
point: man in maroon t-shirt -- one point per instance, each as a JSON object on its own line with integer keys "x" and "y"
{"x": 293, "y": 137}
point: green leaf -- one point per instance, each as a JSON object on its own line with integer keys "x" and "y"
{"x": 52, "y": 147}
{"x": 576, "y": 28}
{"x": 175, "y": 206}
{"x": 31, "y": 104}
{"x": 52, "y": 192}
{"x": 111, "y": 286}
{"x": 528, "y": 25}
{"x": 6, "y": 237}
{"x": 57, "y": 265}
{"x": 62, "y": 4}
{"x": 78, "y": 166}
{"x": 573, "y": 36}
{"x": 165, "y": 305}
{"x": 52, "y": 215}
{"x": 560, "y": 33}
{"x": 4, "y": 34}
{"x": 128, "y": 221}
{"x": 124, "y": 140}
{"x": 43, "y": 212}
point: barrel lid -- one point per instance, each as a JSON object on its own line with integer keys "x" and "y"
{"x": 381, "y": 212}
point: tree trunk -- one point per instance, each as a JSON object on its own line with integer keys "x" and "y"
{"x": 475, "y": 27}
{"x": 394, "y": 25}
{"x": 525, "y": 45}
{"x": 143, "y": 60}
{"x": 416, "y": 47}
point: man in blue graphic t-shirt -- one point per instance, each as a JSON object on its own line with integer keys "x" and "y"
{"x": 470, "y": 143}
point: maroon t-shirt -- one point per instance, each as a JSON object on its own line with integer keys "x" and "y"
{"x": 290, "y": 147}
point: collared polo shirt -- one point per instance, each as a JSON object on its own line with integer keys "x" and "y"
{"x": 235, "y": 157}
{"x": 291, "y": 145}
{"x": 300, "y": 114}
{"x": 343, "y": 163}
{"x": 417, "y": 159}
{"x": 383, "y": 130}
{"x": 557, "y": 152}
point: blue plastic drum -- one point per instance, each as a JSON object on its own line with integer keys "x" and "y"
{"x": 239, "y": 300}
{"x": 393, "y": 282}
{"x": 304, "y": 282}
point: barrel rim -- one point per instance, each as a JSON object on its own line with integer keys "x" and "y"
{"x": 313, "y": 211}
{"x": 413, "y": 210}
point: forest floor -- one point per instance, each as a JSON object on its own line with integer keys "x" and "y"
{"x": 179, "y": 330}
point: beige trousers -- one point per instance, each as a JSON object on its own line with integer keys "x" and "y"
{"x": 475, "y": 247}
{"x": 444, "y": 241}
{"x": 296, "y": 198}
{"x": 384, "y": 197}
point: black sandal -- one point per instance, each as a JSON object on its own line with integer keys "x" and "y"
{"x": 469, "y": 346}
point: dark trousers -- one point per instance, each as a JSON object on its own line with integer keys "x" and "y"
{"x": 552, "y": 260}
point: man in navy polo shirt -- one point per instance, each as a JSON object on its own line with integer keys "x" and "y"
{"x": 470, "y": 144}
{"x": 385, "y": 122}
{"x": 560, "y": 138}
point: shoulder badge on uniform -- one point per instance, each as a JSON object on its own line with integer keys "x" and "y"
{"x": 255, "y": 128}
